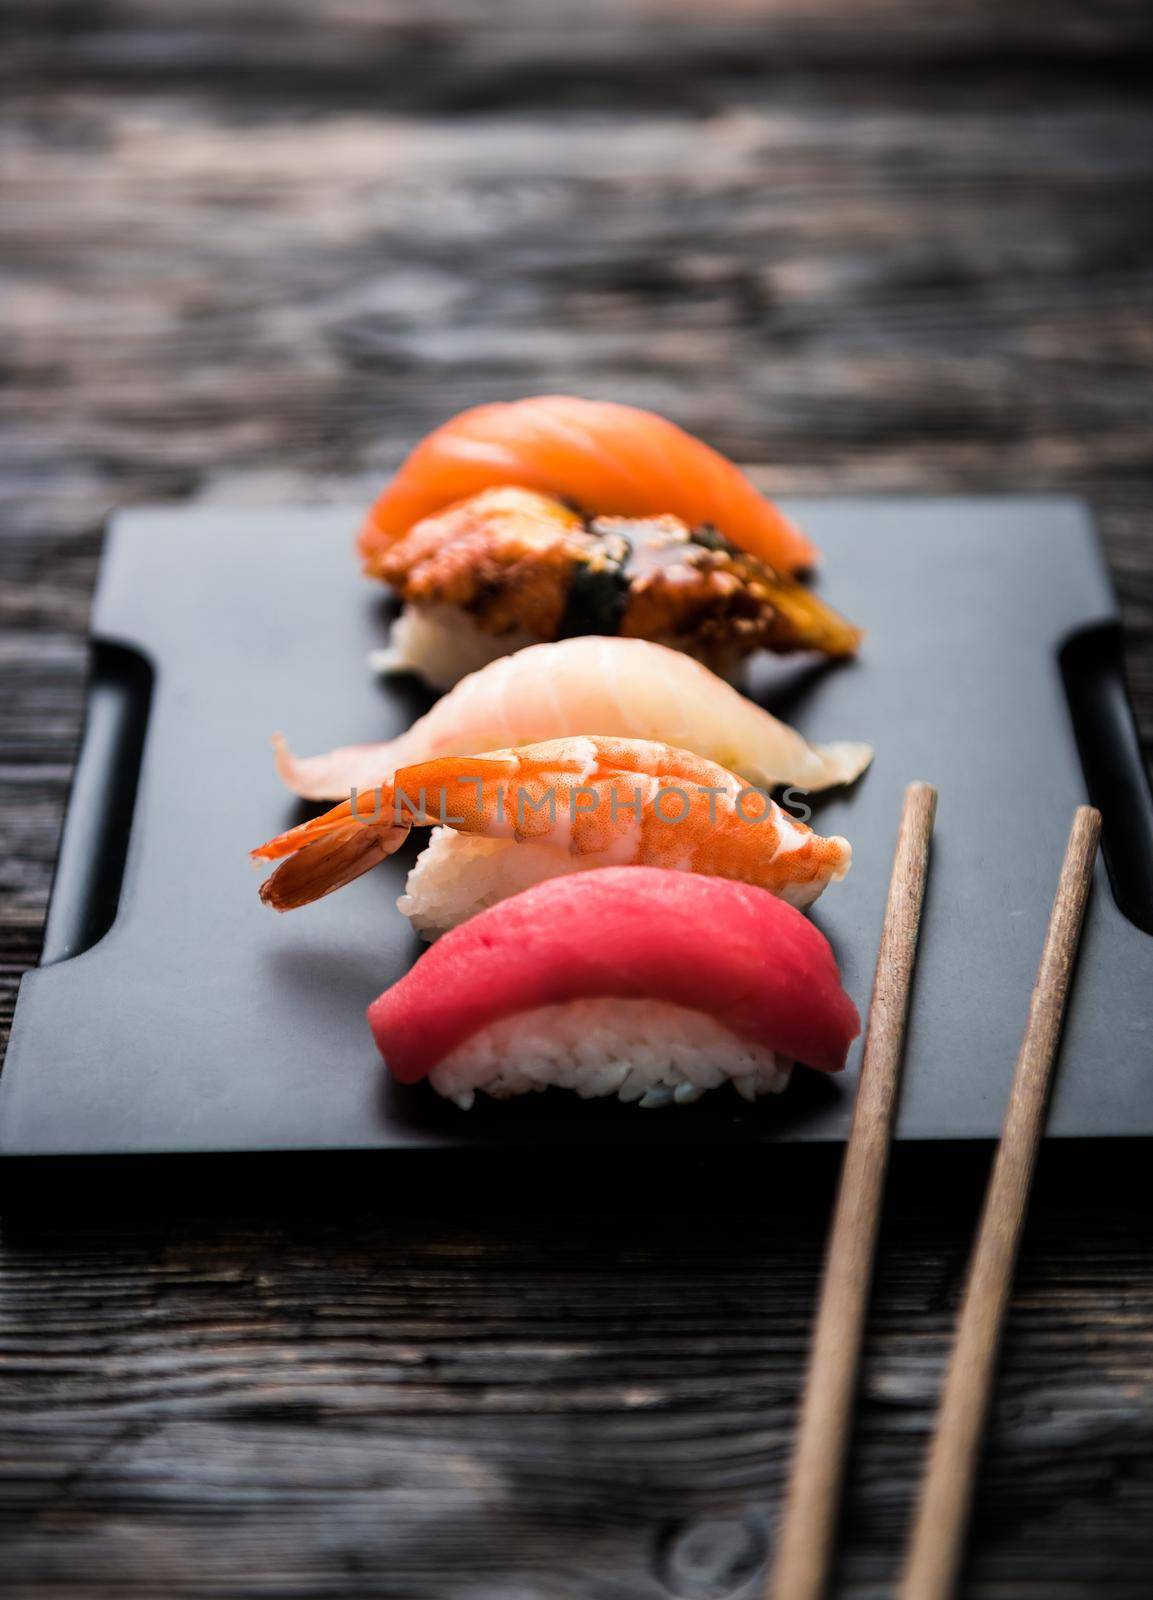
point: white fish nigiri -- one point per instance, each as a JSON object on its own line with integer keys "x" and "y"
{"x": 620, "y": 688}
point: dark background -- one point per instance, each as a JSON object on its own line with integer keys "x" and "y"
{"x": 250, "y": 253}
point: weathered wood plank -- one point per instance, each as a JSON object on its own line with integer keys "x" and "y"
{"x": 402, "y": 1405}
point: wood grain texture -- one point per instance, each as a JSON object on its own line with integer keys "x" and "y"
{"x": 937, "y": 1541}
{"x": 806, "y": 1542}
{"x": 248, "y": 253}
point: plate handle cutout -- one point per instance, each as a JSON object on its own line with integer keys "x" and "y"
{"x": 1093, "y": 669}
{"x": 94, "y": 846}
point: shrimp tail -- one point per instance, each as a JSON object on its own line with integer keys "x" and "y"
{"x": 329, "y": 851}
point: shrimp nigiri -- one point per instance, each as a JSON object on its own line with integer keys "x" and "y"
{"x": 510, "y": 566}
{"x": 609, "y": 459}
{"x": 574, "y": 803}
{"x": 626, "y": 688}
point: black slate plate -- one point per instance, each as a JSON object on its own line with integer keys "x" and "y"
{"x": 174, "y": 1013}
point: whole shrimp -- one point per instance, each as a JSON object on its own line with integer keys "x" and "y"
{"x": 611, "y": 801}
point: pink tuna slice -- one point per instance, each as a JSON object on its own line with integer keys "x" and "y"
{"x": 727, "y": 949}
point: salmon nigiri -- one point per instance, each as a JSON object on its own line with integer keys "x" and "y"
{"x": 606, "y": 458}
{"x": 625, "y": 687}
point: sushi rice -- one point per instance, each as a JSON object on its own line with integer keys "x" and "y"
{"x": 458, "y": 875}
{"x": 442, "y": 645}
{"x": 648, "y": 1051}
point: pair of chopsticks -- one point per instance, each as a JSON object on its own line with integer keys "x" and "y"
{"x": 933, "y": 1556}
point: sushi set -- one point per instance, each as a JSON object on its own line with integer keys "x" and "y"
{"x": 662, "y": 775}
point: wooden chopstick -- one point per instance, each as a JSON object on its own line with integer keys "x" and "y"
{"x": 935, "y": 1548}
{"x": 805, "y": 1542}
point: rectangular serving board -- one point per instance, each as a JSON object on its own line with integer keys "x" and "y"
{"x": 174, "y": 1013}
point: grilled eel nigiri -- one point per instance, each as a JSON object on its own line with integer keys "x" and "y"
{"x": 511, "y": 567}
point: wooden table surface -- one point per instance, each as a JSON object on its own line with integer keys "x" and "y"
{"x": 251, "y": 251}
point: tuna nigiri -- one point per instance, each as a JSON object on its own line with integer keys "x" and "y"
{"x": 512, "y": 817}
{"x": 509, "y": 566}
{"x": 608, "y": 459}
{"x": 651, "y": 985}
{"x": 625, "y": 688}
